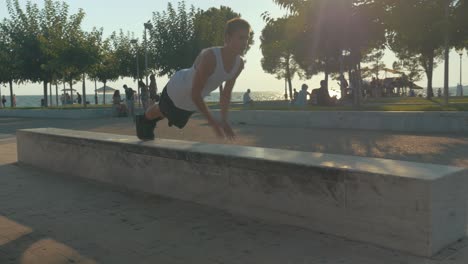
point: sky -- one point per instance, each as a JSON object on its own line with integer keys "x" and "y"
{"x": 114, "y": 15}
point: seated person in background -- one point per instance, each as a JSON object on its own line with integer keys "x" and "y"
{"x": 119, "y": 109}
{"x": 323, "y": 97}
{"x": 313, "y": 97}
{"x": 301, "y": 99}
{"x": 247, "y": 100}
{"x": 295, "y": 94}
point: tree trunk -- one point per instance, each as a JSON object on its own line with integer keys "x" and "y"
{"x": 104, "y": 95}
{"x": 356, "y": 89}
{"x": 326, "y": 82}
{"x": 291, "y": 96}
{"x": 430, "y": 68}
{"x": 56, "y": 93}
{"x": 288, "y": 76}
{"x": 46, "y": 103}
{"x": 446, "y": 54}
{"x": 11, "y": 92}
{"x": 71, "y": 91}
{"x": 83, "y": 95}
{"x": 64, "y": 102}
{"x": 220, "y": 90}
{"x": 50, "y": 92}
{"x": 326, "y": 79}
{"x": 359, "y": 90}
{"x": 95, "y": 92}
{"x": 326, "y": 74}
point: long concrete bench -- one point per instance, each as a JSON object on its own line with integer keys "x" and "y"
{"x": 410, "y": 121}
{"x": 413, "y": 207}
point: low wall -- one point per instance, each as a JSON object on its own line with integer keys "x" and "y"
{"x": 431, "y": 122}
{"x": 413, "y": 207}
{"x": 57, "y": 113}
{"x": 438, "y": 122}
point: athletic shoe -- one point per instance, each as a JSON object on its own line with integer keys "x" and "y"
{"x": 144, "y": 127}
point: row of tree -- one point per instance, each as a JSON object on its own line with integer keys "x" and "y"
{"x": 336, "y": 36}
{"x": 48, "y": 45}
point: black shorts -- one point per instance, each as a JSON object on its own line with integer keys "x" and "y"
{"x": 175, "y": 116}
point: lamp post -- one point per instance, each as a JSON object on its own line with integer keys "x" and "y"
{"x": 148, "y": 26}
{"x": 135, "y": 43}
{"x": 446, "y": 53}
{"x": 460, "y": 86}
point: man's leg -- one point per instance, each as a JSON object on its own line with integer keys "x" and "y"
{"x": 153, "y": 112}
{"x": 146, "y": 123}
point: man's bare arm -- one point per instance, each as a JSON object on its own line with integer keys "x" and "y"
{"x": 204, "y": 67}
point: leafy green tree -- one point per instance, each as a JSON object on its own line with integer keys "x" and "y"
{"x": 419, "y": 28}
{"x": 460, "y": 30}
{"x": 209, "y": 27}
{"x": 108, "y": 67}
{"x": 171, "y": 39}
{"x": 411, "y": 67}
{"x": 8, "y": 63}
{"x": 374, "y": 60}
{"x": 79, "y": 52}
{"x": 330, "y": 27}
{"x": 39, "y": 34}
{"x": 126, "y": 52}
{"x": 278, "y": 40}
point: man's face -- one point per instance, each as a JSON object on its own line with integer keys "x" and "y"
{"x": 238, "y": 41}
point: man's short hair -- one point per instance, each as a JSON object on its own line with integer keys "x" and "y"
{"x": 323, "y": 83}
{"x": 236, "y": 24}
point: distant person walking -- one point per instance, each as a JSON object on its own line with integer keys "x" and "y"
{"x": 78, "y": 98}
{"x": 14, "y": 100}
{"x": 130, "y": 99}
{"x": 145, "y": 94}
{"x": 153, "y": 89}
{"x": 4, "y": 101}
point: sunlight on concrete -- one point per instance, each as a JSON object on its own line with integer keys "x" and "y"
{"x": 10, "y": 230}
{"x": 47, "y": 251}
{"x": 52, "y": 252}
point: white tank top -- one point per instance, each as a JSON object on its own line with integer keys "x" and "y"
{"x": 179, "y": 87}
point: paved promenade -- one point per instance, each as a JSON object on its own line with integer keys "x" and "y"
{"x": 49, "y": 218}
